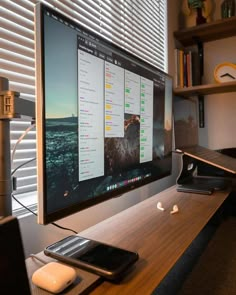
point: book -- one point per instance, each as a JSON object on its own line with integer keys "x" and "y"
{"x": 187, "y": 68}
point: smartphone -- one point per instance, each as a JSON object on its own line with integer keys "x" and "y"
{"x": 102, "y": 259}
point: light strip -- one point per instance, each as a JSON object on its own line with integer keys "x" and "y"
{"x": 17, "y": 16}
{"x": 30, "y": 40}
{"x": 18, "y": 45}
{"x": 30, "y": 13}
{"x": 2, "y": 71}
{"x": 22, "y": 85}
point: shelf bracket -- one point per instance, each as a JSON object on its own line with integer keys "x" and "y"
{"x": 201, "y": 109}
{"x": 200, "y": 48}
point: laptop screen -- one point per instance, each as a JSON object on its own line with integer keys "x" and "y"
{"x": 185, "y": 122}
{"x": 186, "y": 136}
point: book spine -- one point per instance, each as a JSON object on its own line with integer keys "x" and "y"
{"x": 189, "y": 68}
{"x": 185, "y": 70}
{"x": 176, "y": 75}
{"x": 181, "y": 68}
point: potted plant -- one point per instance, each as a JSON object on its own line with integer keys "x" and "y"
{"x": 196, "y": 11}
{"x": 198, "y": 5}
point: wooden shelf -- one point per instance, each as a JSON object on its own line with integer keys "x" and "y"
{"x": 206, "y": 89}
{"x": 197, "y": 35}
{"x": 215, "y": 30}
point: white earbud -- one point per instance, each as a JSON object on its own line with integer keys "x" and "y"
{"x": 159, "y": 206}
{"x": 175, "y": 209}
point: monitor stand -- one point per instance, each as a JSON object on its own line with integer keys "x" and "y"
{"x": 188, "y": 181}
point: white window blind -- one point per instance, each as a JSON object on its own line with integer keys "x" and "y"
{"x": 138, "y": 26}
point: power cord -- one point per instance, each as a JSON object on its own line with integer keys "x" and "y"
{"x": 20, "y": 139}
{"x": 33, "y": 256}
{"x": 53, "y": 223}
{"x": 25, "y": 163}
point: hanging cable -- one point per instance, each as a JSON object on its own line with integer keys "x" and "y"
{"x": 53, "y": 223}
{"x": 19, "y": 140}
{"x": 25, "y": 163}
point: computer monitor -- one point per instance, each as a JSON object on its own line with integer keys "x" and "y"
{"x": 104, "y": 118}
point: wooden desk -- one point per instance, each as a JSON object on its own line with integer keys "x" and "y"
{"x": 159, "y": 237}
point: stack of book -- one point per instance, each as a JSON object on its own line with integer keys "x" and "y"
{"x": 187, "y": 71}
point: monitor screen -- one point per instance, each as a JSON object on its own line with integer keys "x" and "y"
{"x": 185, "y": 122}
{"x": 104, "y": 118}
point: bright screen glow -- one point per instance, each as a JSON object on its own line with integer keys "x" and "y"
{"x": 104, "y": 118}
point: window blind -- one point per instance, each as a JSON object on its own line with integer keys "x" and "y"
{"x": 138, "y": 26}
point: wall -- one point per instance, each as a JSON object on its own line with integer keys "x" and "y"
{"x": 220, "y": 109}
{"x": 220, "y": 119}
{"x": 36, "y": 237}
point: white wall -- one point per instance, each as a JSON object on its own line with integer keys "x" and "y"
{"x": 36, "y": 237}
{"x": 220, "y": 109}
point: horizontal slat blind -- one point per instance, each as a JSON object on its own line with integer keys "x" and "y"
{"x": 138, "y": 26}
{"x": 26, "y": 150}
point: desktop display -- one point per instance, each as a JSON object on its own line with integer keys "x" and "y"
{"x": 104, "y": 118}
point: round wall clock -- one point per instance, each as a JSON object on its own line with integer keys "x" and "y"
{"x": 225, "y": 72}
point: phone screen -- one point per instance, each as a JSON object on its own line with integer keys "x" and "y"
{"x": 93, "y": 253}
{"x": 106, "y": 257}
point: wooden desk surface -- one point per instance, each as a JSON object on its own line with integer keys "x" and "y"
{"x": 159, "y": 237}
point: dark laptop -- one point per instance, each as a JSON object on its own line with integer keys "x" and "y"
{"x": 186, "y": 137}
{"x": 196, "y": 158}
{"x": 13, "y": 274}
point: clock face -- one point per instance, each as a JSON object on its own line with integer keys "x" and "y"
{"x": 225, "y": 72}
